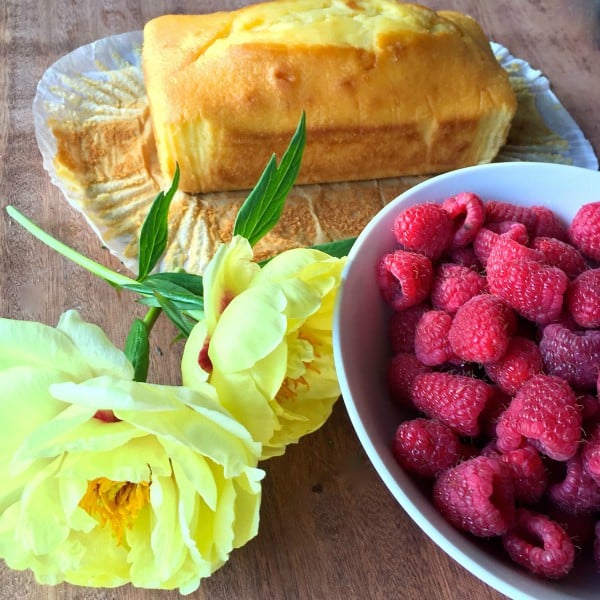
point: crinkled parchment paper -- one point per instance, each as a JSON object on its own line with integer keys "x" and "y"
{"x": 93, "y": 128}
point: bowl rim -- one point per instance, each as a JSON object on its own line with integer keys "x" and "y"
{"x": 474, "y": 559}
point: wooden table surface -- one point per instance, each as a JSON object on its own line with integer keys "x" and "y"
{"x": 329, "y": 528}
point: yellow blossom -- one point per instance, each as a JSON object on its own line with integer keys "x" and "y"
{"x": 107, "y": 481}
{"x": 266, "y": 344}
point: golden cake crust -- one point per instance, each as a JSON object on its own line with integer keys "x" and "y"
{"x": 388, "y": 89}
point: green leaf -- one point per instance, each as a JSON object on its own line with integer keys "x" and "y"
{"x": 337, "y": 248}
{"x": 155, "y": 230}
{"x": 191, "y": 282}
{"x": 137, "y": 349}
{"x": 263, "y": 207}
{"x": 179, "y": 295}
{"x": 183, "y": 323}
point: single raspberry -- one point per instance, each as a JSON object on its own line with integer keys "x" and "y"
{"x": 527, "y": 471}
{"x": 540, "y": 545}
{"x": 427, "y": 446}
{"x": 572, "y": 355}
{"x": 481, "y": 329}
{"x": 432, "y": 346}
{"x": 404, "y": 278}
{"x": 590, "y": 453}
{"x": 425, "y": 228}
{"x": 453, "y": 399}
{"x": 486, "y": 237}
{"x": 560, "y": 254}
{"x": 583, "y": 299}
{"x": 496, "y": 211}
{"x": 402, "y": 327}
{"x": 545, "y": 412}
{"x": 402, "y": 370}
{"x": 521, "y": 361}
{"x": 454, "y": 285}
{"x": 577, "y": 493}
{"x": 496, "y": 405}
{"x": 468, "y": 213}
{"x": 518, "y": 275}
{"x": 584, "y": 231}
{"x": 476, "y": 496}
{"x": 548, "y": 224}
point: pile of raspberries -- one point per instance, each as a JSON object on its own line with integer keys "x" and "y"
{"x": 495, "y": 334}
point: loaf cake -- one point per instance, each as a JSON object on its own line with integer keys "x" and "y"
{"x": 388, "y": 89}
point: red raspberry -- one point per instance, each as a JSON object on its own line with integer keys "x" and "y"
{"x": 521, "y": 361}
{"x": 545, "y": 412}
{"x": 476, "y": 496}
{"x": 584, "y": 231}
{"x": 468, "y": 213}
{"x": 527, "y": 470}
{"x": 540, "y": 545}
{"x": 402, "y": 328}
{"x": 432, "y": 345}
{"x": 453, "y": 399}
{"x": 590, "y": 453}
{"x": 516, "y": 274}
{"x": 577, "y": 493}
{"x": 402, "y": 370}
{"x": 548, "y": 224}
{"x": 583, "y": 299}
{"x": 454, "y": 285}
{"x": 572, "y": 355}
{"x": 481, "y": 329}
{"x": 487, "y": 236}
{"x": 496, "y": 212}
{"x": 404, "y": 278}
{"x": 560, "y": 254}
{"x": 427, "y": 446}
{"x": 424, "y": 228}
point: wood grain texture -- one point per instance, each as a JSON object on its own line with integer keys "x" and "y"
{"x": 329, "y": 528}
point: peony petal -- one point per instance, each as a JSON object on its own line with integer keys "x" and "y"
{"x": 229, "y": 273}
{"x": 289, "y": 264}
{"x": 37, "y": 345}
{"x": 73, "y": 430}
{"x": 93, "y": 344}
{"x": 195, "y": 470}
{"x": 251, "y": 328}
{"x": 191, "y": 371}
{"x": 241, "y": 397}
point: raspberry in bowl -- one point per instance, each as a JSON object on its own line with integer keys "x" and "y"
{"x": 497, "y": 311}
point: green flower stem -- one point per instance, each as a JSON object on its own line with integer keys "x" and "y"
{"x": 83, "y": 261}
{"x": 151, "y": 316}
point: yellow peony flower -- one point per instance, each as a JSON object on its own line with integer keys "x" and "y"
{"x": 107, "y": 481}
{"x": 265, "y": 343}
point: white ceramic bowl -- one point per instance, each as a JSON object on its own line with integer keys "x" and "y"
{"x": 361, "y": 356}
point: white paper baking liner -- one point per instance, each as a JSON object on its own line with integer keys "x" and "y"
{"x": 103, "y": 82}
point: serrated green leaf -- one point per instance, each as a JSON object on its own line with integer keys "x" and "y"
{"x": 137, "y": 349}
{"x": 155, "y": 230}
{"x": 183, "y": 323}
{"x": 263, "y": 207}
{"x": 337, "y": 248}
